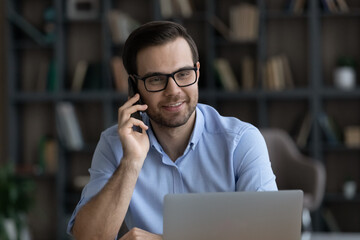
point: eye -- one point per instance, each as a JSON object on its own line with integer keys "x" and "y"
{"x": 155, "y": 80}
{"x": 183, "y": 74}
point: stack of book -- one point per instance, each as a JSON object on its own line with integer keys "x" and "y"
{"x": 277, "y": 73}
{"x": 226, "y": 74}
{"x": 244, "y": 22}
{"x": 228, "y": 78}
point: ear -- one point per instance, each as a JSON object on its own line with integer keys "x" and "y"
{"x": 132, "y": 86}
{"x": 198, "y": 69}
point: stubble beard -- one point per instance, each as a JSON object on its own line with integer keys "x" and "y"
{"x": 176, "y": 121}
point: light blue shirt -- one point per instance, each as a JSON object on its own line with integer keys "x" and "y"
{"x": 224, "y": 154}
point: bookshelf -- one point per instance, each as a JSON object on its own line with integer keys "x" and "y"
{"x": 311, "y": 39}
{"x": 2, "y": 87}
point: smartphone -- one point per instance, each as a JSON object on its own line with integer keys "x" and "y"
{"x": 132, "y": 90}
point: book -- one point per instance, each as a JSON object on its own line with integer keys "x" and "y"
{"x": 274, "y": 78}
{"x": 244, "y": 21}
{"x": 331, "y": 5}
{"x": 352, "y": 136}
{"x": 299, "y": 6}
{"x": 226, "y": 74}
{"x": 120, "y": 74}
{"x": 278, "y": 75}
{"x": 247, "y": 73}
{"x": 343, "y": 6}
{"x": 328, "y": 126}
{"x": 330, "y": 220}
{"x": 48, "y": 155}
{"x": 175, "y": 8}
{"x": 237, "y": 24}
{"x": 121, "y": 25}
{"x": 289, "y": 81}
{"x": 304, "y": 131}
{"x": 51, "y": 153}
{"x": 184, "y": 8}
{"x": 79, "y": 76}
{"x": 68, "y": 126}
{"x": 166, "y": 8}
{"x": 279, "y": 81}
{"x": 268, "y": 76}
{"x": 220, "y": 26}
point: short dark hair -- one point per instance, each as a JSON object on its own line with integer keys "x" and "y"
{"x": 154, "y": 33}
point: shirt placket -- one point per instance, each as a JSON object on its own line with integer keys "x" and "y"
{"x": 178, "y": 180}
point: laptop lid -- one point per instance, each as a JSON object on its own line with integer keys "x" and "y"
{"x": 233, "y": 215}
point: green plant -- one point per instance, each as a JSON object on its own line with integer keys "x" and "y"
{"x": 346, "y": 61}
{"x": 15, "y": 197}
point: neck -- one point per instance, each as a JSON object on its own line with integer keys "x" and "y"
{"x": 174, "y": 140}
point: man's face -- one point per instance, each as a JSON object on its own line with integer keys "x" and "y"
{"x": 174, "y": 106}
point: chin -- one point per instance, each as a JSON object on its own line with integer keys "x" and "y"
{"x": 172, "y": 122}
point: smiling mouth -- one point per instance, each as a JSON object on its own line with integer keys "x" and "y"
{"x": 174, "y": 104}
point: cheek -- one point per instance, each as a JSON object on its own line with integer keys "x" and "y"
{"x": 143, "y": 93}
{"x": 148, "y": 98}
{"x": 144, "y": 98}
{"x": 193, "y": 90}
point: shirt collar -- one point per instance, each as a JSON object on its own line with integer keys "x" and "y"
{"x": 198, "y": 128}
{"x": 153, "y": 141}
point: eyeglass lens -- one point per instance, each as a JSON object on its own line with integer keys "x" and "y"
{"x": 158, "y": 82}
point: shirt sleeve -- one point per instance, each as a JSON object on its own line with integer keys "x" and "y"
{"x": 252, "y": 165}
{"x": 104, "y": 163}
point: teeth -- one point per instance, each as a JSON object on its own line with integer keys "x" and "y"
{"x": 175, "y": 105}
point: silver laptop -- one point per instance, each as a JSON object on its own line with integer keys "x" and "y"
{"x": 233, "y": 215}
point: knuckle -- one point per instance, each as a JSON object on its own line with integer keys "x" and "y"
{"x": 134, "y": 233}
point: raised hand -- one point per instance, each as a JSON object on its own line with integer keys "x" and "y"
{"x": 135, "y": 144}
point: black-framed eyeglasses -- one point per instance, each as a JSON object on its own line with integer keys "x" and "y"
{"x": 158, "y": 82}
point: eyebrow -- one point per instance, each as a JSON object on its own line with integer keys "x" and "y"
{"x": 150, "y": 74}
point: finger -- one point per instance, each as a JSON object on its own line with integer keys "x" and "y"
{"x": 127, "y": 127}
{"x": 132, "y": 100}
{"x": 131, "y": 234}
{"x": 139, "y": 123}
{"x": 124, "y": 114}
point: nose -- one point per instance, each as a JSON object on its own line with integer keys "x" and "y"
{"x": 172, "y": 88}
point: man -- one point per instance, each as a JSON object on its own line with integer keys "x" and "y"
{"x": 183, "y": 146}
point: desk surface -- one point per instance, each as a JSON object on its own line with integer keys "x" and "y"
{"x": 334, "y": 236}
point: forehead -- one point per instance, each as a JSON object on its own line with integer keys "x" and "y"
{"x": 164, "y": 58}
